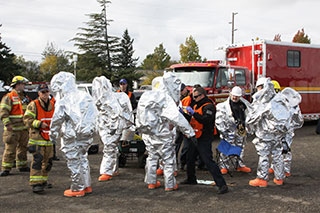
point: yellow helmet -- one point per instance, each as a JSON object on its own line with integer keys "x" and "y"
{"x": 18, "y": 80}
{"x": 276, "y": 86}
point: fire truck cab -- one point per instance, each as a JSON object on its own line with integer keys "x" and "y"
{"x": 216, "y": 78}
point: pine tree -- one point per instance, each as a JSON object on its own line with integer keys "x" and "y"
{"x": 301, "y": 37}
{"x": 8, "y": 67}
{"x": 95, "y": 40}
{"x": 126, "y": 64}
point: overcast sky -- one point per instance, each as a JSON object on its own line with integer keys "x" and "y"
{"x": 28, "y": 25}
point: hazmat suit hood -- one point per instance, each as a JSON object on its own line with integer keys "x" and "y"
{"x": 62, "y": 83}
{"x": 172, "y": 85}
{"x": 266, "y": 94}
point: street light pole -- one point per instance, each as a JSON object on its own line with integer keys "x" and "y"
{"x": 232, "y": 31}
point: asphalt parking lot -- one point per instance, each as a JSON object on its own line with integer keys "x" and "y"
{"x": 128, "y": 193}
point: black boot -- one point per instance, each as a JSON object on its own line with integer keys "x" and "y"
{"x": 46, "y": 184}
{"x": 24, "y": 169}
{"x": 223, "y": 189}
{"x": 4, "y": 173}
{"x": 189, "y": 182}
{"x": 38, "y": 188}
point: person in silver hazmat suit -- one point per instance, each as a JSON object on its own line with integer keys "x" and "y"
{"x": 74, "y": 120}
{"x": 294, "y": 99}
{"x": 230, "y": 121}
{"x": 115, "y": 115}
{"x": 157, "y": 115}
{"x": 269, "y": 118}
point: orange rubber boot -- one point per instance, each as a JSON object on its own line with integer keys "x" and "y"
{"x": 69, "y": 193}
{"x": 175, "y": 173}
{"x": 171, "y": 189}
{"x": 153, "y": 186}
{"x": 258, "y": 182}
{"x": 159, "y": 172}
{"x": 116, "y": 174}
{"x": 271, "y": 171}
{"x": 224, "y": 171}
{"x": 244, "y": 169}
{"x": 287, "y": 174}
{"x": 278, "y": 182}
{"x": 105, "y": 178}
{"x": 88, "y": 190}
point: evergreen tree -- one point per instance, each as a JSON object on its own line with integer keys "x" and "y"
{"x": 301, "y": 37}
{"x": 95, "y": 40}
{"x": 126, "y": 64}
{"x": 158, "y": 60}
{"x": 189, "y": 51}
{"x": 8, "y": 67}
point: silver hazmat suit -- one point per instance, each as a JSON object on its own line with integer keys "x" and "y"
{"x": 227, "y": 126}
{"x": 157, "y": 114}
{"x": 115, "y": 115}
{"x": 74, "y": 119}
{"x": 294, "y": 99}
{"x": 269, "y": 118}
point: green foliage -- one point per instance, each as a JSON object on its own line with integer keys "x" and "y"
{"x": 150, "y": 76}
{"x": 54, "y": 61}
{"x": 90, "y": 66}
{"x": 29, "y": 69}
{"x": 189, "y": 51}
{"x": 8, "y": 67}
{"x": 301, "y": 37}
{"x": 94, "y": 40}
{"x": 126, "y": 64}
{"x": 158, "y": 60}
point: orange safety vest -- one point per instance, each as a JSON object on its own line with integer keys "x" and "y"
{"x": 129, "y": 93}
{"x": 16, "y": 110}
{"x": 186, "y": 102}
{"x": 45, "y": 117}
{"x": 197, "y": 127}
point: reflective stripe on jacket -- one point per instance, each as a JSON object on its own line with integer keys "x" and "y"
{"x": 197, "y": 127}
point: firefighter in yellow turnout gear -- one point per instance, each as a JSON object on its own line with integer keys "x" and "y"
{"x": 15, "y": 135}
{"x": 38, "y": 118}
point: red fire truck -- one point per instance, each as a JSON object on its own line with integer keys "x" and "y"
{"x": 291, "y": 64}
{"x": 216, "y": 78}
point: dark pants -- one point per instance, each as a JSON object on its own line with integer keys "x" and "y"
{"x": 204, "y": 149}
{"x": 318, "y": 128}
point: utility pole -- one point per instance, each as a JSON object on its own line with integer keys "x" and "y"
{"x": 106, "y": 35}
{"x": 232, "y": 31}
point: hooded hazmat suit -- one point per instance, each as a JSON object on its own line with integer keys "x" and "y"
{"x": 115, "y": 115}
{"x": 294, "y": 99}
{"x": 269, "y": 118}
{"x": 228, "y": 128}
{"x": 157, "y": 114}
{"x": 74, "y": 119}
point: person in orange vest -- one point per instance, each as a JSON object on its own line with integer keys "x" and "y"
{"x": 124, "y": 88}
{"x": 15, "y": 135}
{"x": 38, "y": 118}
{"x": 202, "y": 121}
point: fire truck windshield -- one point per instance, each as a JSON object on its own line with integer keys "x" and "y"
{"x": 196, "y": 75}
